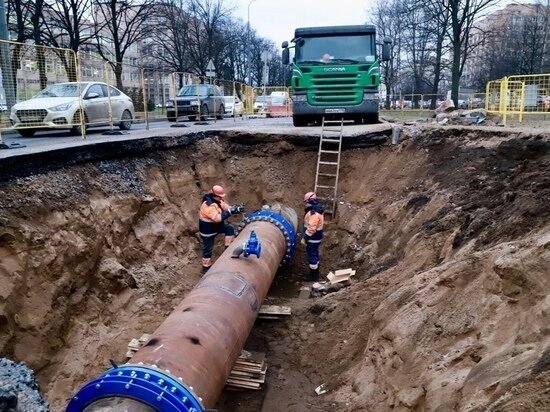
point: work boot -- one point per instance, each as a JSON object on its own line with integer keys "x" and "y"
{"x": 313, "y": 275}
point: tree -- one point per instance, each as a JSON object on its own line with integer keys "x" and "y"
{"x": 205, "y": 36}
{"x": 169, "y": 46}
{"x": 125, "y": 24}
{"x": 67, "y": 27}
{"x": 462, "y": 16}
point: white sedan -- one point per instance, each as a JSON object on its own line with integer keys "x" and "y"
{"x": 233, "y": 106}
{"x": 60, "y": 105}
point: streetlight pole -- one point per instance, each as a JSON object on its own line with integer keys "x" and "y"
{"x": 248, "y": 43}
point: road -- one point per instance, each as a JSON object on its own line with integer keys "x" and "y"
{"x": 53, "y": 140}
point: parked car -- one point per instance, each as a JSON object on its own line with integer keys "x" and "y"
{"x": 196, "y": 100}
{"x": 543, "y": 102}
{"x": 60, "y": 105}
{"x": 260, "y": 104}
{"x": 233, "y": 106}
{"x": 279, "y": 106}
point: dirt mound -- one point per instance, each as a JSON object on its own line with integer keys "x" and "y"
{"x": 448, "y": 232}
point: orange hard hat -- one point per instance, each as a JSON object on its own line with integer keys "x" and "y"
{"x": 309, "y": 195}
{"x": 218, "y": 190}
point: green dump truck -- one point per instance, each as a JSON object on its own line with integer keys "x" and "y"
{"x": 335, "y": 73}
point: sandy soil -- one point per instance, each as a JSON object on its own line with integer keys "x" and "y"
{"x": 448, "y": 231}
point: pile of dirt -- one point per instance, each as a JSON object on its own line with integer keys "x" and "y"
{"x": 448, "y": 233}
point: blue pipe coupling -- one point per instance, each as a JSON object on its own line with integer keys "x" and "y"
{"x": 285, "y": 224}
{"x": 136, "y": 385}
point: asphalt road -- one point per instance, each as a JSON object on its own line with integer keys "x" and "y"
{"x": 52, "y": 140}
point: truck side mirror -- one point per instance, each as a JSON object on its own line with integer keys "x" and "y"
{"x": 286, "y": 56}
{"x": 285, "y": 45}
{"x": 386, "y": 49}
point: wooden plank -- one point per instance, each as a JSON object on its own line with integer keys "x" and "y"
{"x": 251, "y": 380}
{"x": 134, "y": 344}
{"x": 242, "y": 384}
{"x": 343, "y": 272}
{"x": 275, "y": 310}
{"x": 144, "y": 338}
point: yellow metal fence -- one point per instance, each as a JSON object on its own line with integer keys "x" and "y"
{"x": 520, "y": 97}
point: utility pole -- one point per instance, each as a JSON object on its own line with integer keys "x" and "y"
{"x": 5, "y": 62}
{"x": 248, "y": 48}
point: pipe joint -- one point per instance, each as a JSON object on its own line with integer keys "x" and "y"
{"x": 285, "y": 226}
{"x": 136, "y": 383}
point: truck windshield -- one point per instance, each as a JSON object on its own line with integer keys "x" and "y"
{"x": 336, "y": 49}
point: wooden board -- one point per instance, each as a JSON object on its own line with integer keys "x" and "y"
{"x": 343, "y": 275}
{"x": 275, "y": 310}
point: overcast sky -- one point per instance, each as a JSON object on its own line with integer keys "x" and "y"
{"x": 277, "y": 19}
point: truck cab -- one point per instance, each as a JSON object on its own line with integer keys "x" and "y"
{"x": 335, "y": 73}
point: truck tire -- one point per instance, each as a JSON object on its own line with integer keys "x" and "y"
{"x": 371, "y": 118}
{"x": 299, "y": 121}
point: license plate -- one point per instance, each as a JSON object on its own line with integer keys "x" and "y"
{"x": 335, "y": 110}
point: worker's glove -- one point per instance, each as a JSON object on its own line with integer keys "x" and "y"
{"x": 303, "y": 242}
{"x": 236, "y": 209}
{"x": 225, "y": 214}
{"x": 305, "y": 238}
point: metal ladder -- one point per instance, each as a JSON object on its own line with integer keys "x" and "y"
{"x": 328, "y": 162}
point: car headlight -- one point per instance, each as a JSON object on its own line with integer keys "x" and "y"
{"x": 299, "y": 97}
{"x": 195, "y": 103}
{"x": 62, "y": 107}
{"x": 169, "y": 103}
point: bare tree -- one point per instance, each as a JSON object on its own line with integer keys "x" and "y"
{"x": 388, "y": 17}
{"x": 68, "y": 27}
{"x": 204, "y": 36}
{"x": 169, "y": 47}
{"x": 126, "y": 23}
{"x": 462, "y": 16}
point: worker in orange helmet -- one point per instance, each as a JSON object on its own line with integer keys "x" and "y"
{"x": 312, "y": 234}
{"x": 212, "y": 215}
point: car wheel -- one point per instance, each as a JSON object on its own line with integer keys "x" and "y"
{"x": 222, "y": 111}
{"x": 125, "y": 121}
{"x": 192, "y": 118}
{"x": 76, "y": 130}
{"x": 26, "y": 132}
{"x": 205, "y": 112}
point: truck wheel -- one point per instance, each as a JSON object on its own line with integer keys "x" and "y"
{"x": 371, "y": 118}
{"x": 299, "y": 121}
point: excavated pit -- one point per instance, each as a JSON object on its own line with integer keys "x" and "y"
{"x": 448, "y": 232}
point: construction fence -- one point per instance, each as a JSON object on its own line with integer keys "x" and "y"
{"x": 49, "y": 88}
{"x": 520, "y": 98}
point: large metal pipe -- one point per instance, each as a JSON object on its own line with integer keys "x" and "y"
{"x": 184, "y": 365}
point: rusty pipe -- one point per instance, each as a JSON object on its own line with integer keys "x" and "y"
{"x": 184, "y": 365}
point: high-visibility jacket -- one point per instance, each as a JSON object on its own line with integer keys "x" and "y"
{"x": 313, "y": 226}
{"x": 211, "y": 215}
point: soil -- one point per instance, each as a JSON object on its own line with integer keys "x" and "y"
{"x": 449, "y": 233}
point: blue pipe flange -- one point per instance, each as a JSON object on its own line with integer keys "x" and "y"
{"x": 150, "y": 386}
{"x": 266, "y": 215}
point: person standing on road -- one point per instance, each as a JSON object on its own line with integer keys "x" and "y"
{"x": 312, "y": 234}
{"x": 212, "y": 215}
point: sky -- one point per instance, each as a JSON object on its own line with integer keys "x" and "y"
{"x": 277, "y": 19}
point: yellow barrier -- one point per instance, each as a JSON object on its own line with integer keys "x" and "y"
{"x": 522, "y": 96}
